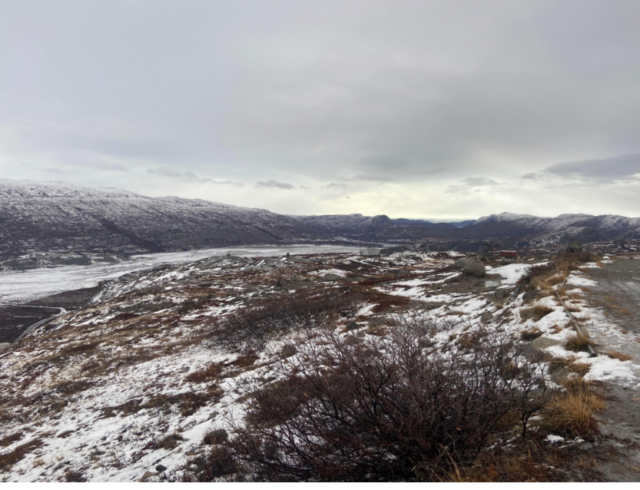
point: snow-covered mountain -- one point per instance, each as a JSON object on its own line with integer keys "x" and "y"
{"x": 46, "y": 216}
{"x": 378, "y": 227}
{"x": 63, "y": 217}
{"x": 584, "y": 227}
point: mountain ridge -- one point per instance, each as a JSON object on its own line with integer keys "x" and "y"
{"x": 59, "y": 216}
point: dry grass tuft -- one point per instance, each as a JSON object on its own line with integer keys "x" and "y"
{"x": 209, "y": 373}
{"x": 530, "y": 334}
{"x": 572, "y": 413}
{"x": 556, "y": 328}
{"x": 573, "y": 308}
{"x": 618, "y": 355}
{"x": 569, "y": 363}
{"x": 535, "y": 313}
{"x": 578, "y": 342}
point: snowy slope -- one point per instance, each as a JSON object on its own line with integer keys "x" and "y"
{"x": 46, "y": 216}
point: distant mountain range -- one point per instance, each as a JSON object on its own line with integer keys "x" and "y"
{"x": 56, "y": 216}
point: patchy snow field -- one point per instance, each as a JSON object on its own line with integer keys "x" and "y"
{"x": 135, "y": 380}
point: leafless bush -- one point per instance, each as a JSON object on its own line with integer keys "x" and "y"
{"x": 252, "y": 327}
{"x": 385, "y": 409}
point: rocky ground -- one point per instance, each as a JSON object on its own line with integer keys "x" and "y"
{"x": 129, "y": 386}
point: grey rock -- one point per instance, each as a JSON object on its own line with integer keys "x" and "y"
{"x": 288, "y": 350}
{"x": 530, "y": 295}
{"x": 351, "y": 325}
{"x": 476, "y": 269}
{"x": 331, "y": 277}
{"x": 500, "y": 293}
{"x": 160, "y": 468}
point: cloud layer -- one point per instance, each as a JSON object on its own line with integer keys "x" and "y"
{"x": 418, "y": 109}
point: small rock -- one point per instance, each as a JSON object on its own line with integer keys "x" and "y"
{"x": 331, "y": 277}
{"x": 500, "y": 293}
{"x": 288, "y": 350}
{"x": 160, "y": 468}
{"x": 351, "y": 325}
{"x": 530, "y": 295}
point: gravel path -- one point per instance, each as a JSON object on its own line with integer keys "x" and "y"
{"x": 617, "y": 293}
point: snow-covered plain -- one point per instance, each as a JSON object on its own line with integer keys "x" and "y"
{"x": 19, "y": 287}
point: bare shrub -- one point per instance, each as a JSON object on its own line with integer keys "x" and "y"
{"x": 569, "y": 261}
{"x": 357, "y": 412}
{"x": 536, "y": 274}
{"x": 252, "y": 327}
{"x": 214, "y": 437}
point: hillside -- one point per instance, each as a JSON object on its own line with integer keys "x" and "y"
{"x": 54, "y": 216}
{"x": 168, "y": 372}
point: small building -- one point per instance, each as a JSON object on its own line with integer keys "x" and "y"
{"x": 508, "y": 253}
{"x": 369, "y": 252}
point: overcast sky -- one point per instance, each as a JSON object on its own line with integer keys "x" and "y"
{"x": 421, "y": 109}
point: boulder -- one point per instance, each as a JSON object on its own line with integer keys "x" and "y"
{"x": 471, "y": 267}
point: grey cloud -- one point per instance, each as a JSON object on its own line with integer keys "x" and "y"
{"x": 224, "y": 182}
{"x": 165, "y": 171}
{"x": 605, "y": 169}
{"x": 531, "y": 176}
{"x": 479, "y": 182}
{"x": 336, "y": 186}
{"x": 275, "y": 185}
{"x": 471, "y": 184}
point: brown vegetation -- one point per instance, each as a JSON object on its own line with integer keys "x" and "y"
{"x": 252, "y": 327}
{"x": 618, "y": 355}
{"x": 530, "y": 334}
{"x": 353, "y": 413}
{"x": 9, "y": 459}
{"x": 578, "y": 341}
{"x": 536, "y": 313}
{"x": 572, "y": 413}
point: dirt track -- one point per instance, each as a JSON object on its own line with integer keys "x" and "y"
{"x": 618, "y": 294}
{"x": 15, "y": 319}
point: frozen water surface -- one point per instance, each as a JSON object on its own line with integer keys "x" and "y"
{"x": 22, "y": 286}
